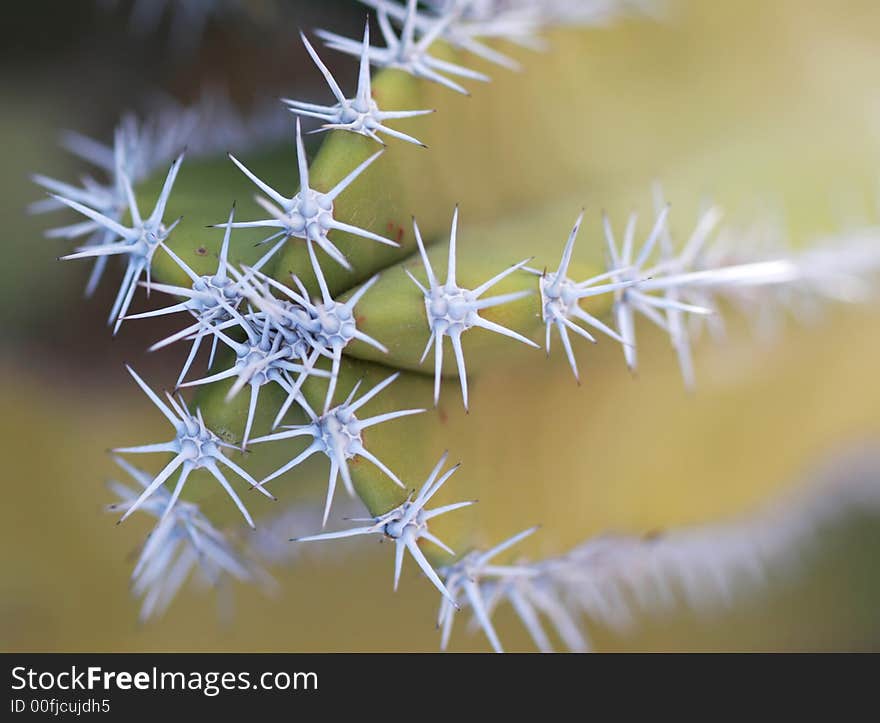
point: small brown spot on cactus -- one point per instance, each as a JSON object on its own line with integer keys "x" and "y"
{"x": 396, "y": 230}
{"x": 201, "y": 251}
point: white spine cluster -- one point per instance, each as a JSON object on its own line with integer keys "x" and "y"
{"x": 193, "y": 447}
{"x": 182, "y": 541}
{"x": 136, "y": 243}
{"x": 338, "y": 433}
{"x": 410, "y": 50}
{"x": 452, "y": 310}
{"x": 473, "y": 25}
{"x": 139, "y": 149}
{"x": 405, "y": 525}
{"x": 308, "y": 214}
{"x": 359, "y": 114}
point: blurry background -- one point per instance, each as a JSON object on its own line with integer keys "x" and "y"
{"x": 762, "y": 105}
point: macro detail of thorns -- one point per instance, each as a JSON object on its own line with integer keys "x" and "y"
{"x": 293, "y": 328}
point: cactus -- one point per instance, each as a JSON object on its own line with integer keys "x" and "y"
{"x": 325, "y": 298}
